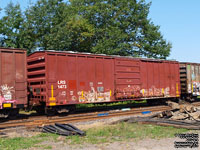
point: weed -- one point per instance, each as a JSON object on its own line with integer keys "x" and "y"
{"x": 108, "y": 104}
{"x": 103, "y": 134}
{"x": 124, "y": 131}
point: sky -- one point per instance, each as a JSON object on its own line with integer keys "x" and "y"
{"x": 179, "y": 22}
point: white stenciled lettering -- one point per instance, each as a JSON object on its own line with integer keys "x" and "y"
{"x": 62, "y": 84}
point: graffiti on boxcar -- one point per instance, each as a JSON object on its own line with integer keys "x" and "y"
{"x": 129, "y": 92}
{"x": 196, "y": 88}
{"x": 74, "y": 98}
{"x": 6, "y": 92}
{"x": 189, "y": 88}
{"x": 94, "y": 96}
{"x": 153, "y": 91}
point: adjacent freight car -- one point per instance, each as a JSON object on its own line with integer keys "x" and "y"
{"x": 58, "y": 80}
{"x": 13, "y": 81}
{"x": 190, "y": 80}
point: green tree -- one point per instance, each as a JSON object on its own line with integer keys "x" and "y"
{"x": 119, "y": 27}
{"x": 122, "y": 27}
{"x": 56, "y": 26}
{"x": 11, "y": 26}
{"x": 1, "y": 36}
{"x": 74, "y": 34}
{"x": 41, "y": 20}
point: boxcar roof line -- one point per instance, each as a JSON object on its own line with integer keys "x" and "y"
{"x": 113, "y": 56}
{"x": 11, "y": 49}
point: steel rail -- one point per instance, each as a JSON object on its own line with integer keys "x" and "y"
{"x": 41, "y": 120}
{"x": 80, "y": 117}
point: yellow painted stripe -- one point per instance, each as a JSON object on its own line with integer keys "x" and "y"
{"x": 51, "y": 90}
{"x": 192, "y": 88}
{"x": 142, "y": 91}
{"x": 163, "y": 91}
{"x": 7, "y": 105}
{"x": 110, "y": 93}
{"x": 82, "y": 97}
{"x": 52, "y": 98}
{"x": 100, "y": 97}
{"x": 52, "y": 104}
{"x": 177, "y": 92}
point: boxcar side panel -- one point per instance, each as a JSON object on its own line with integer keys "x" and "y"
{"x": 20, "y": 78}
{"x": 172, "y": 79}
{"x": 108, "y": 79}
{"x": 190, "y": 79}
{"x": 150, "y": 79}
{"x": 13, "y": 86}
{"x": 74, "y": 79}
{"x": 193, "y": 79}
{"x": 37, "y": 84}
{"x": 8, "y": 75}
{"x": 61, "y": 79}
{"x": 83, "y": 79}
{"x": 127, "y": 78}
{"x": 159, "y": 79}
{"x": 162, "y": 77}
{"x": 51, "y": 81}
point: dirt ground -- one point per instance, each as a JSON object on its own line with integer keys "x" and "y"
{"x": 145, "y": 144}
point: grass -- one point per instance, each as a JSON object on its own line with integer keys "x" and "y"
{"x": 25, "y": 143}
{"x": 102, "y": 134}
{"x": 124, "y": 131}
{"x": 85, "y": 106}
{"x": 27, "y": 113}
{"x": 78, "y": 106}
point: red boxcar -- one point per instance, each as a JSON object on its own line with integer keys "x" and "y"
{"x": 63, "y": 78}
{"x": 146, "y": 78}
{"x": 13, "y": 79}
{"x": 190, "y": 80}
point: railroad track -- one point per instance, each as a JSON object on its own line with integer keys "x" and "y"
{"x": 34, "y": 121}
{"x": 43, "y": 120}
